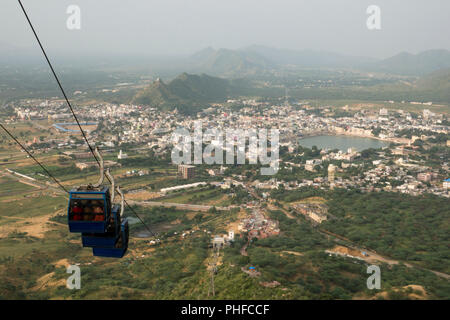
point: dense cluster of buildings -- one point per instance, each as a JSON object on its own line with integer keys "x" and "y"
{"x": 399, "y": 168}
{"x": 258, "y": 226}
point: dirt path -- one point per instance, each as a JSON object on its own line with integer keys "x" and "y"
{"x": 244, "y": 250}
{"x": 47, "y": 281}
{"x": 295, "y": 253}
{"x": 373, "y": 257}
{"x": 272, "y": 207}
{"x": 62, "y": 263}
{"x": 33, "y": 226}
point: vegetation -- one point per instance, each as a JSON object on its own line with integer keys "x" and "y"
{"x": 404, "y": 227}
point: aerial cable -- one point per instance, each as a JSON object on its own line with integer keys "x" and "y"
{"x": 70, "y": 106}
{"x": 32, "y": 157}
{"x": 62, "y": 187}
{"x": 57, "y": 80}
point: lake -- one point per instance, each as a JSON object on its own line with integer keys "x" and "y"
{"x": 342, "y": 142}
{"x": 133, "y": 220}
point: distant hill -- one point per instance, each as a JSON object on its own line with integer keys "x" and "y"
{"x": 187, "y": 91}
{"x": 414, "y": 64}
{"x": 403, "y": 63}
{"x": 246, "y": 62}
{"x": 257, "y": 59}
{"x": 190, "y": 93}
{"x": 307, "y": 58}
{"x": 229, "y": 63}
{"x": 434, "y": 87}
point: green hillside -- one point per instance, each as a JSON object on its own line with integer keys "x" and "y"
{"x": 187, "y": 92}
{"x": 190, "y": 93}
{"x": 436, "y": 83}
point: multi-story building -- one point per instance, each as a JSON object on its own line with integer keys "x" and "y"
{"x": 186, "y": 171}
{"x": 424, "y": 176}
{"x": 331, "y": 172}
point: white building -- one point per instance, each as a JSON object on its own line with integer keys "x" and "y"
{"x": 122, "y": 155}
{"x": 446, "y": 184}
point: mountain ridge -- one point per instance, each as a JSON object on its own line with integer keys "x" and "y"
{"x": 257, "y": 59}
{"x": 415, "y": 64}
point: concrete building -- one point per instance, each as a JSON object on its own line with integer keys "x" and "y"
{"x": 122, "y": 155}
{"x": 185, "y": 186}
{"x": 446, "y": 183}
{"x": 331, "y": 172}
{"x": 218, "y": 241}
{"x": 424, "y": 176}
{"x": 186, "y": 171}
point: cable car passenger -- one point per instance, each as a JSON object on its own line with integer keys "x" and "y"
{"x": 87, "y": 213}
{"x": 99, "y": 213}
{"x": 76, "y": 211}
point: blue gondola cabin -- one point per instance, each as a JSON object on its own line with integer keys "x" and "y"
{"x": 107, "y": 239}
{"x": 89, "y": 209}
{"x": 120, "y": 247}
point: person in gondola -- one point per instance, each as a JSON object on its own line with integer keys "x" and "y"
{"x": 77, "y": 211}
{"x": 99, "y": 213}
{"x": 87, "y": 214}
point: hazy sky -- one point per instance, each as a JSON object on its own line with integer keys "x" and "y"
{"x": 153, "y": 27}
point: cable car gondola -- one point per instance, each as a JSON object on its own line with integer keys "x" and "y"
{"x": 114, "y": 242}
{"x": 89, "y": 209}
{"x": 109, "y": 238}
{"x": 91, "y": 212}
{"x": 119, "y": 249}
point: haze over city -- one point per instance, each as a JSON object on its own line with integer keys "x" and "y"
{"x": 135, "y": 140}
{"x": 178, "y": 27}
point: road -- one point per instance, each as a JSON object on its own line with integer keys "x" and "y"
{"x": 181, "y": 206}
{"x": 36, "y": 184}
